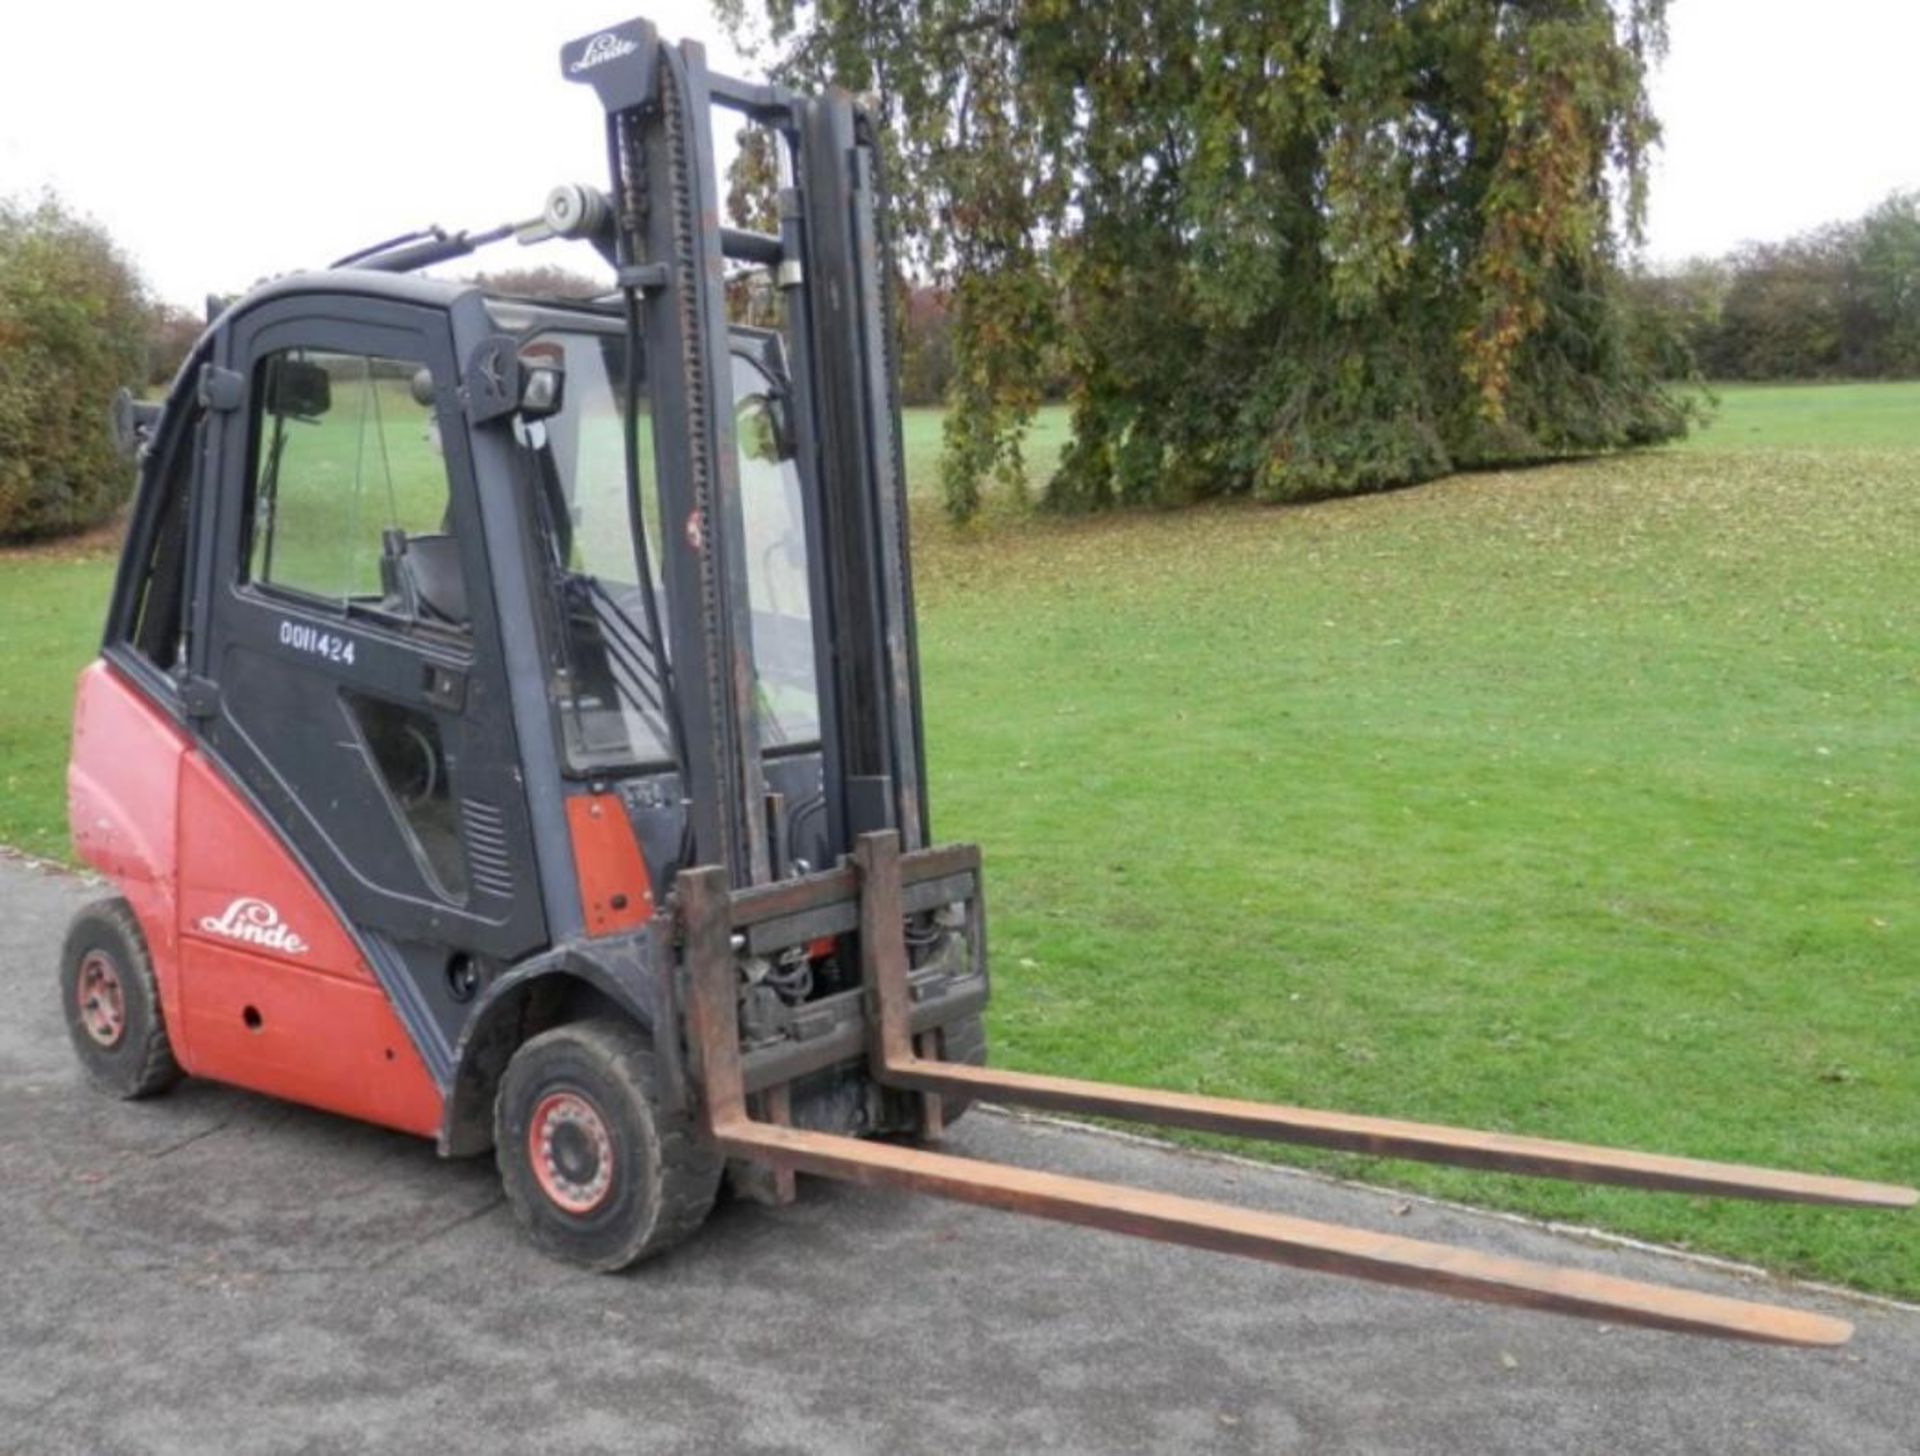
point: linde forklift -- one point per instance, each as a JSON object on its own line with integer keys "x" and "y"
{"x": 508, "y": 730}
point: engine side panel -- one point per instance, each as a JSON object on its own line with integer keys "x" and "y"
{"x": 275, "y": 994}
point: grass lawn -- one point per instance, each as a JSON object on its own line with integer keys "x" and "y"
{"x": 920, "y": 429}
{"x": 1813, "y": 417}
{"x": 1583, "y": 801}
{"x": 52, "y": 603}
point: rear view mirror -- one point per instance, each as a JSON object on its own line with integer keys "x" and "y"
{"x": 298, "y": 388}
{"x": 133, "y": 421}
{"x": 780, "y": 408}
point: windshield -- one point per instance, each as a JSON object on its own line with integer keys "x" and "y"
{"x": 778, "y": 587}
{"x": 613, "y": 709}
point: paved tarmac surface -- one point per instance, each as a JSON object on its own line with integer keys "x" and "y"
{"x": 214, "y": 1271}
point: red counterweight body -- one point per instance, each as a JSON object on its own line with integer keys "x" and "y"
{"x": 260, "y": 984}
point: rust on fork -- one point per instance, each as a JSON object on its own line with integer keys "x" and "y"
{"x": 896, "y": 1064}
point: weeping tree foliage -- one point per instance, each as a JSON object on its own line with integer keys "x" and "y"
{"x": 1288, "y": 248}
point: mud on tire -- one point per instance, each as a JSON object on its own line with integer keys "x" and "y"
{"x": 596, "y": 1172}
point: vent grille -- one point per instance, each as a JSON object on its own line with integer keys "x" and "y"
{"x": 487, "y": 847}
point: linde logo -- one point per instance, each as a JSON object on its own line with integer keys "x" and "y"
{"x": 604, "y": 47}
{"x": 255, "y": 922}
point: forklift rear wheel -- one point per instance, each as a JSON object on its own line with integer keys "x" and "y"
{"x": 112, "y": 1003}
{"x": 595, "y": 1170}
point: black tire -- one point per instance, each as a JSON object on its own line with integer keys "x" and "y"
{"x": 964, "y": 1040}
{"x": 112, "y": 1003}
{"x": 615, "y": 1179}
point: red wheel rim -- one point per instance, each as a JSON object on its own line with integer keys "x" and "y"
{"x": 103, "y": 1002}
{"x": 571, "y": 1152}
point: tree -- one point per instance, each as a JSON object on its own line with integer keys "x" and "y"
{"x": 1784, "y": 316}
{"x": 1287, "y": 248}
{"x": 73, "y": 331}
{"x": 1887, "y": 285}
{"x": 926, "y": 344}
{"x": 1840, "y": 301}
{"x": 548, "y": 281}
{"x": 172, "y": 332}
{"x": 1678, "y": 314}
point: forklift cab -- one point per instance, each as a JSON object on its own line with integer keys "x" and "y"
{"x": 362, "y": 512}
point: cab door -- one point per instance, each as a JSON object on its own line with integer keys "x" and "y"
{"x": 349, "y": 676}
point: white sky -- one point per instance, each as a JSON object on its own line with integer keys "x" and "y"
{"x": 1781, "y": 115}
{"x": 220, "y": 141}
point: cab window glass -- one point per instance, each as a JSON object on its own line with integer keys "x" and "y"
{"x": 159, "y": 610}
{"x": 613, "y": 706}
{"x": 778, "y": 590}
{"x": 350, "y": 487}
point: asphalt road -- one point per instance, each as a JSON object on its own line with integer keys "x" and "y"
{"x": 214, "y": 1271}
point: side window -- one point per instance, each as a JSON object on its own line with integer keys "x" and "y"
{"x": 350, "y": 487}
{"x": 159, "y": 613}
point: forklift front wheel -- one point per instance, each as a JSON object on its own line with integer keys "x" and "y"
{"x": 964, "y": 1040}
{"x": 596, "y": 1172}
{"x": 112, "y": 1003}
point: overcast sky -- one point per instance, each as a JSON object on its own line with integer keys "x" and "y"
{"x": 1781, "y": 115}
{"x": 221, "y": 142}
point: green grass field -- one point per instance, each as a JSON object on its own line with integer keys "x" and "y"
{"x": 52, "y": 603}
{"x": 920, "y": 430}
{"x": 1583, "y": 801}
{"x": 1812, "y": 417}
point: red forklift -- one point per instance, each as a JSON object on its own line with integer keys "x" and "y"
{"x": 508, "y": 730}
